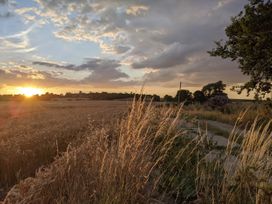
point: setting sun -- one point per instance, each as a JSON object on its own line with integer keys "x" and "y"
{"x": 30, "y": 91}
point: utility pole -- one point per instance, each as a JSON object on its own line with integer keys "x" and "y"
{"x": 179, "y": 92}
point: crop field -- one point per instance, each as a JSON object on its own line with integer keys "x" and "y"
{"x": 33, "y": 133}
{"x": 131, "y": 152}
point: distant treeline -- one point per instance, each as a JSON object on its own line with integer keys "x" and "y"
{"x": 212, "y": 94}
{"x": 81, "y": 95}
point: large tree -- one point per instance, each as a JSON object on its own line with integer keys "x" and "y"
{"x": 249, "y": 41}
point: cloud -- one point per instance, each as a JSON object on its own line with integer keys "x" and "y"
{"x": 172, "y": 55}
{"x": 15, "y": 74}
{"x": 102, "y": 70}
{"x": 137, "y": 10}
{"x": 90, "y": 64}
{"x": 170, "y": 79}
{"x": 6, "y": 9}
{"x": 17, "y": 43}
{"x": 114, "y": 48}
{"x": 3, "y": 1}
{"x": 104, "y": 75}
{"x": 171, "y": 37}
{"x": 6, "y": 14}
{"x": 128, "y": 22}
{"x": 47, "y": 64}
{"x": 191, "y": 75}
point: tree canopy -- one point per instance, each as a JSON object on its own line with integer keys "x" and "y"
{"x": 199, "y": 96}
{"x": 184, "y": 96}
{"x": 214, "y": 89}
{"x": 249, "y": 41}
{"x": 168, "y": 98}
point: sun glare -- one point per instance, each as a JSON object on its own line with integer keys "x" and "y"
{"x": 29, "y": 91}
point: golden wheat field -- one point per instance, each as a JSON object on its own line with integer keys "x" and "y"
{"x": 33, "y": 133}
{"x": 127, "y": 152}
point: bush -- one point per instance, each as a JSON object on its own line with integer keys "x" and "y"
{"x": 199, "y": 97}
{"x": 218, "y": 101}
{"x": 168, "y": 98}
{"x": 184, "y": 96}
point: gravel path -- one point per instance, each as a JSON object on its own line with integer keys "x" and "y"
{"x": 223, "y": 126}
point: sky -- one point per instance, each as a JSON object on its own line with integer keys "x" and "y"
{"x": 114, "y": 45}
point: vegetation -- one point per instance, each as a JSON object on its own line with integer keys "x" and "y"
{"x": 199, "y": 97}
{"x": 212, "y": 94}
{"x": 81, "y": 96}
{"x": 183, "y": 96}
{"x": 66, "y": 149}
{"x": 150, "y": 156}
{"x": 33, "y": 133}
{"x": 168, "y": 98}
{"x": 218, "y": 101}
{"x": 231, "y": 112}
{"x": 249, "y": 43}
{"x": 214, "y": 89}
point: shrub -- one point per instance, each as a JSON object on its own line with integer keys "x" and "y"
{"x": 168, "y": 98}
{"x": 218, "y": 101}
{"x": 184, "y": 96}
{"x": 199, "y": 97}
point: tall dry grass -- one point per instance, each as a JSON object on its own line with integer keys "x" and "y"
{"x": 240, "y": 173}
{"x": 146, "y": 157}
